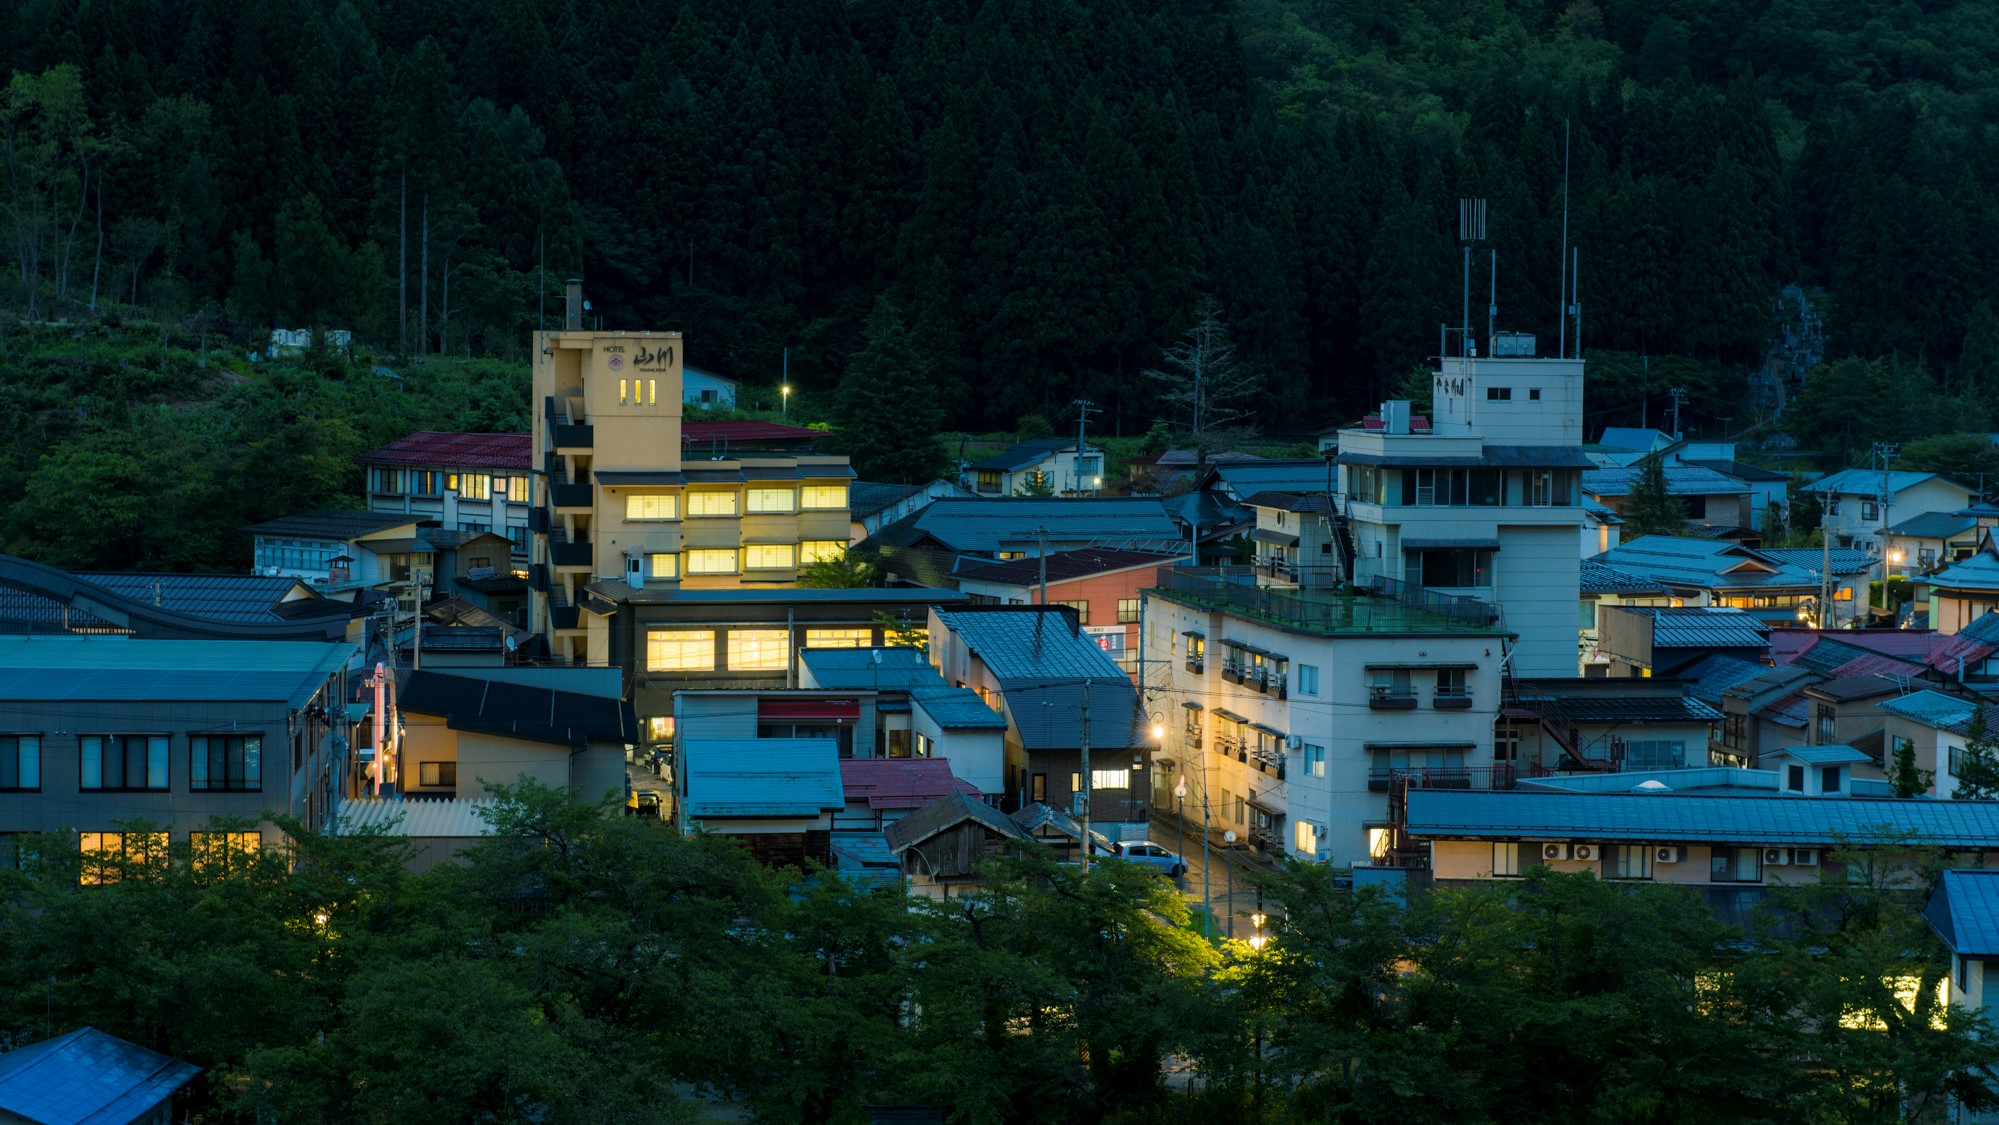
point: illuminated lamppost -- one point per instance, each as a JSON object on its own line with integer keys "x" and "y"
{"x": 785, "y": 399}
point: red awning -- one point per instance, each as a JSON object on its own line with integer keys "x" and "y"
{"x": 823, "y": 709}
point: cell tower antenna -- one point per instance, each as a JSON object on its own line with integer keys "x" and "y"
{"x": 1471, "y": 230}
{"x": 1562, "y": 285}
{"x": 1492, "y": 307}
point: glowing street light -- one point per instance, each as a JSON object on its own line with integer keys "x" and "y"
{"x": 786, "y": 407}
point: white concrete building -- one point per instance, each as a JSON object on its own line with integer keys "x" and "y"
{"x": 1485, "y": 505}
{"x": 1290, "y": 709}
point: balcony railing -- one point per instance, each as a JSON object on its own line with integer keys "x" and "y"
{"x": 1501, "y": 776}
{"x": 1193, "y": 738}
{"x": 1380, "y": 697}
{"x": 1452, "y": 699}
{"x": 570, "y": 554}
{"x": 1389, "y": 605}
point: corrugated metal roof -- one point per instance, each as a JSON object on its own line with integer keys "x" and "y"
{"x": 217, "y": 597}
{"x": 1845, "y": 689}
{"x": 1602, "y": 578}
{"x": 333, "y": 523}
{"x": 1030, "y": 645}
{"x": 957, "y": 708}
{"x": 1246, "y": 478}
{"x": 1931, "y": 707}
{"x": 870, "y": 669}
{"x": 1868, "y": 482}
{"x": 447, "y": 819}
{"x": 1691, "y": 818}
{"x": 125, "y": 669}
{"x": 899, "y": 783}
{"x": 1681, "y": 480}
{"x": 1703, "y": 627}
{"x": 989, "y": 525}
{"x": 1713, "y": 676}
{"x": 87, "y": 1077}
{"x": 1050, "y": 716}
{"x": 456, "y": 451}
{"x": 1021, "y": 454}
{"x": 1631, "y": 709}
{"x": 1964, "y": 911}
{"x": 947, "y": 812}
{"x": 1063, "y": 566}
{"x": 761, "y": 777}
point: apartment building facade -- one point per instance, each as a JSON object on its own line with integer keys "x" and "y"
{"x": 623, "y": 501}
{"x": 1486, "y": 503}
{"x": 1293, "y": 711}
{"x": 466, "y": 482}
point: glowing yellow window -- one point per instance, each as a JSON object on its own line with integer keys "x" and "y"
{"x": 759, "y": 650}
{"x": 711, "y": 561}
{"x": 824, "y": 496}
{"x": 680, "y": 650}
{"x": 655, "y": 507}
{"x": 711, "y": 504}
{"x": 663, "y": 565}
{"x": 839, "y": 638}
{"x": 778, "y": 500}
{"x": 768, "y": 556}
{"x": 813, "y": 550}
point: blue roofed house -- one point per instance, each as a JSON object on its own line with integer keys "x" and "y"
{"x": 1237, "y": 481}
{"x": 1058, "y": 692}
{"x": 701, "y": 387}
{"x": 926, "y": 547}
{"x": 1773, "y": 584}
{"x": 1602, "y": 587}
{"x": 1963, "y": 909}
{"x": 89, "y": 1077}
{"x": 1060, "y": 465}
{"x": 1936, "y": 728}
{"x": 1855, "y": 512}
{"x": 777, "y": 795}
{"x": 874, "y": 504}
{"x": 1711, "y": 499}
{"x": 1664, "y": 641}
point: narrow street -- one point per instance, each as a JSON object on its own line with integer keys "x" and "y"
{"x": 1220, "y": 878}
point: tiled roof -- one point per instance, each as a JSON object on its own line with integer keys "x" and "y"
{"x": 1830, "y": 755}
{"x": 1030, "y": 645}
{"x": 1867, "y": 482}
{"x": 1681, "y": 480}
{"x": 761, "y": 777}
{"x": 217, "y": 597}
{"x": 342, "y": 524}
{"x": 1846, "y": 689}
{"x": 426, "y": 817}
{"x": 1979, "y": 572}
{"x": 1964, "y": 911}
{"x": 87, "y": 1077}
{"x": 1315, "y": 503}
{"x": 1602, "y": 578}
{"x": 693, "y": 432}
{"x": 510, "y": 710}
{"x": 1633, "y": 438}
{"x": 1292, "y": 475}
{"x": 866, "y": 497}
{"x": 1845, "y": 560}
{"x": 68, "y": 669}
{"x": 1664, "y": 818}
{"x": 956, "y": 708}
{"x": 1931, "y": 707}
{"x": 1711, "y": 677}
{"x": 989, "y": 525}
{"x": 1022, "y": 454}
{"x": 899, "y": 783}
{"x": 1702, "y": 627}
{"x": 1630, "y": 709}
{"x": 456, "y": 451}
{"x": 1062, "y": 566}
{"x": 945, "y": 813}
{"x": 1934, "y": 525}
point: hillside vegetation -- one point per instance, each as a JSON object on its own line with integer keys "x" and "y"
{"x": 1032, "y": 194}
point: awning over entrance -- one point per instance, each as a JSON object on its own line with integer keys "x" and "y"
{"x": 824, "y": 710}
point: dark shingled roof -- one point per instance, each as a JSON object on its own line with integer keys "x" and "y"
{"x": 1602, "y": 578}
{"x": 866, "y": 497}
{"x": 331, "y": 523}
{"x": 561, "y": 718}
{"x": 945, "y": 813}
{"x": 1062, "y": 566}
{"x": 456, "y": 451}
{"x": 1309, "y": 502}
{"x": 1845, "y": 689}
{"x": 1022, "y": 454}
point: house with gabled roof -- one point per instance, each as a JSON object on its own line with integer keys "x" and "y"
{"x": 1709, "y": 498}
{"x": 1775, "y": 585}
{"x": 1860, "y": 505}
{"x": 1060, "y": 466}
{"x": 1102, "y": 586}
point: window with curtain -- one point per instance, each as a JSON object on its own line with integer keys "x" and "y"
{"x": 680, "y": 650}
{"x": 759, "y": 650}
{"x": 231, "y": 762}
{"x": 124, "y": 761}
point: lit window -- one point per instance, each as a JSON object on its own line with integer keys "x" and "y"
{"x": 124, "y": 761}
{"x": 475, "y": 486}
{"x": 437, "y": 774}
{"x": 839, "y": 638}
{"x": 663, "y": 565}
{"x": 768, "y": 500}
{"x": 519, "y": 490}
{"x": 680, "y": 650}
{"x": 759, "y": 650}
{"x": 816, "y": 550}
{"x": 223, "y": 853}
{"x": 767, "y": 556}
{"x": 1110, "y": 779}
{"x": 1315, "y": 760}
{"x": 711, "y": 504}
{"x": 1305, "y": 837}
{"x": 225, "y": 762}
{"x": 659, "y": 728}
{"x": 109, "y": 855}
{"x": 20, "y": 762}
{"x": 1127, "y": 611}
{"x": 824, "y": 496}
{"x": 713, "y": 561}
{"x": 1505, "y": 860}
{"x": 656, "y": 507}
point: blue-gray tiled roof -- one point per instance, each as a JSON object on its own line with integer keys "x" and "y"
{"x": 777, "y": 778}
{"x": 1834, "y": 755}
{"x": 857, "y": 669}
{"x": 957, "y": 708}
{"x": 1964, "y": 911}
{"x": 1668, "y": 818}
{"x": 124, "y": 669}
{"x": 87, "y": 1077}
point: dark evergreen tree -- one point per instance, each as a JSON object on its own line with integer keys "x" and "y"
{"x": 887, "y": 417}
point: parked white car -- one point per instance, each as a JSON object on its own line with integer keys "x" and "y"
{"x": 1145, "y": 853}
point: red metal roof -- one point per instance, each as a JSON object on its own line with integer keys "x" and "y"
{"x": 463, "y": 451}
{"x": 900, "y": 783}
{"x": 746, "y": 431}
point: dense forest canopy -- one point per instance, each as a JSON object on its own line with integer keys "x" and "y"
{"x": 1044, "y": 190}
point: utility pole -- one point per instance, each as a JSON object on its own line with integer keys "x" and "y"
{"x": 1084, "y": 776}
{"x": 1884, "y": 455}
{"x": 1084, "y": 408}
{"x": 1679, "y": 396}
{"x": 1040, "y": 536}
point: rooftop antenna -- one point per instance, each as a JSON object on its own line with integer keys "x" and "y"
{"x": 1492, "y": 307}
{"x": 1471, "y": 230}
{"x": 1562, "y": 285}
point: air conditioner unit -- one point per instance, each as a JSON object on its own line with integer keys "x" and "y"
{"x": 1554, "y": 851}
{"x": 1586, "y": 851}
{"x": 1665, "y": 855}
{"x": 1805, "y": 857}
{"x": 1776, "y": 857}
{"x": 1293, "y": 742}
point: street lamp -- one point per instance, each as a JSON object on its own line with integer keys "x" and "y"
{"x": 786, "y": 400}
{"x": 1228, "y": 840}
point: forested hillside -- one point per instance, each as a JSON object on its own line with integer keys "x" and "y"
{"x": 1039, "y": 191}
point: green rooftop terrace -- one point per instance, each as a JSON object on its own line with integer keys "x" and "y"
{"x": 1386, "y": 606}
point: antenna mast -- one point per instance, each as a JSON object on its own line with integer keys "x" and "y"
{"x": 1471, "y": 230}
{"x": 1562, "y": 285}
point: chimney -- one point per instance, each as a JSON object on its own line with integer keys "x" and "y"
{"x": 572, "y": 298}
